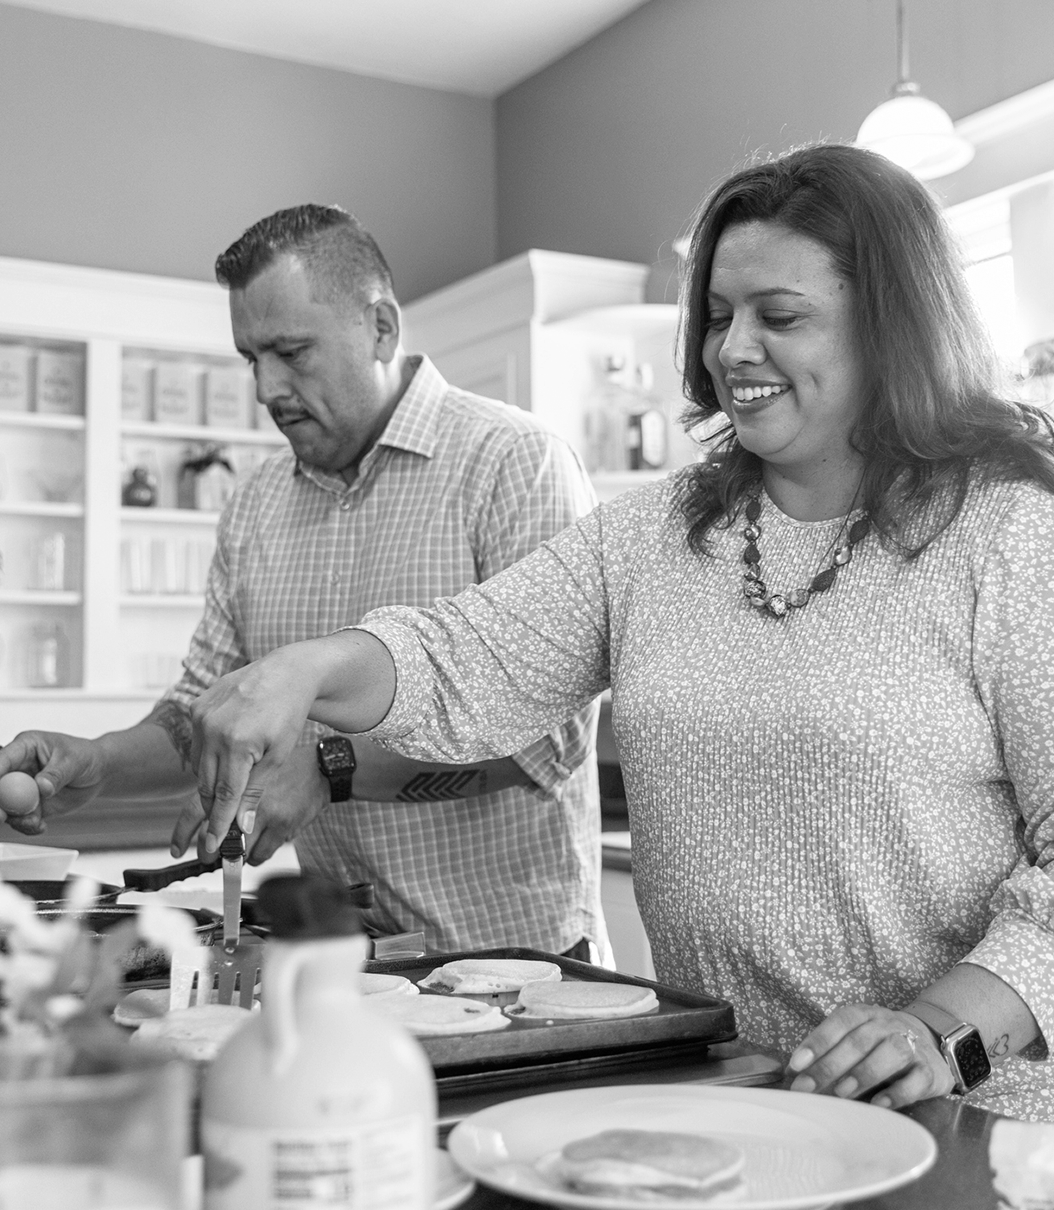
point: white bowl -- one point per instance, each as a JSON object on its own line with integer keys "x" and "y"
{"x": 21, "y": 862}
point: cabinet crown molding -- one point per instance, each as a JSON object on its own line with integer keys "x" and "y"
{"x": 535, "y": 287}
{"x": 51, "y": 299}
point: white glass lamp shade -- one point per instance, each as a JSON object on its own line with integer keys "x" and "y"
{"x": 916, "y": 134}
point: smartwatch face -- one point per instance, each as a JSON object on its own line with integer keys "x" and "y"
{"x": 972, "y": 1060}
{"x": 335, "y": 757}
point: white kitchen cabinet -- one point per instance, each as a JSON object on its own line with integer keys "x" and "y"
{"x": 537, "y": 331}
{"x": 61, "y": 474}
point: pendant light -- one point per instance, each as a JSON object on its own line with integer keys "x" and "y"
{"x": 911, "y": 130}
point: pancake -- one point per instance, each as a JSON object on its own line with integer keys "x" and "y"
{"x": 648, "y": 1165}
{"x": 574, "y": 1000}
{"x": 195, "y": 1033}
{"x": 428, "y": 1016}
{"x": 144, "y": 1004}
{"x": 488, "y": 976}
{"x": 387, "y": 985}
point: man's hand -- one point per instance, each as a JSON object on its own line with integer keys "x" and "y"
{"x": 291, "y": 799}
{"x": 861, "y": 1048}
{"x": 67, "y": 769}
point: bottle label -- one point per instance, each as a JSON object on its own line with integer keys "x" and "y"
{"x": 370, "y": 1166}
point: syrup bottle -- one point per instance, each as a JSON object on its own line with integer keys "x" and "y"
{"x": 317, "y": 1100}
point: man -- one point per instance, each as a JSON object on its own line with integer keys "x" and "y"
{"x": 397, "y": 489}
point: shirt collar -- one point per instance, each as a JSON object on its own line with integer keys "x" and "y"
{"x": 412, "y": 426}
{"x": 413, "y": 423}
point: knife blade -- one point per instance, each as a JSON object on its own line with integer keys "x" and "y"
{"x": 232, "y": 856}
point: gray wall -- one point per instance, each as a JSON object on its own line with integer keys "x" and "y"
{"x": 140, "y": 151}
{"x": 608, "y": 151}
{"x": 131, "y": 150}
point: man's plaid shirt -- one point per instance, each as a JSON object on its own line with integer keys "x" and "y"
{"x": 456, "y": 489}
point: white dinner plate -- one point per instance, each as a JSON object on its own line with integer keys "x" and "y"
{"x": 452, "y": 1184}
{"x": 801, "y": 1151}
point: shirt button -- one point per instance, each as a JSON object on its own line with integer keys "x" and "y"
{"x": 334, "y": 577}
{"x": 345, "y": 505}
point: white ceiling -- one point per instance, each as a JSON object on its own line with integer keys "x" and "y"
{"x": 481, "y": 47}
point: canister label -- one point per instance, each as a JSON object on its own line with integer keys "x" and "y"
{"x": 369, "y": 1166}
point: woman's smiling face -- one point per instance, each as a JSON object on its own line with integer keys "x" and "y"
{"x": 780, "y": 347}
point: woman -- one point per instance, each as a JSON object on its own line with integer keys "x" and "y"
{"x": 830, "y": 651}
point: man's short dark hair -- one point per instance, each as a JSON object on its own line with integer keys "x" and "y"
{"x": 341, "y": 257}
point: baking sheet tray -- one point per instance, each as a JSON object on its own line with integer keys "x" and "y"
{"x": 683, "y": 1018}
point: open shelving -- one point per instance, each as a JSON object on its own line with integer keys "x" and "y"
{"x": 109, "y": 318}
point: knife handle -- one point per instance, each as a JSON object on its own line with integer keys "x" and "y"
{"x": 157, "y": 880}
{"x": 232, "y": 846}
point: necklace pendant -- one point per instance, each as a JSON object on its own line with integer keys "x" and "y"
{"x": 798, "y": 598}
{"x": 859, "y": 530}
{"x": 842, "y": 555}
{"x": 753, "y": 588}
{"x": 751, "y": 532}
{"x": 777, "y": 605}
{"x": 824, "y": 580}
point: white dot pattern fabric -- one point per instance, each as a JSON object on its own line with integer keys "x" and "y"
{"x": 457, "y": 488}
{"x": 835, "y": 806}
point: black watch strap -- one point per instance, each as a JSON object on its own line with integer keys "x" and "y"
{"x": 336, "y": 762}
{"x": 340, "y": 788}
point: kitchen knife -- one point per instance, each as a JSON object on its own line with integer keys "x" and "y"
{"x": 232, "y": 857}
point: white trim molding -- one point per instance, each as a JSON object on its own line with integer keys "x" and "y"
{"x": 1008, "y": 117}
{"x": 1015, "y": 144}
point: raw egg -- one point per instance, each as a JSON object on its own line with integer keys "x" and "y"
{"x": 19, "y": 794}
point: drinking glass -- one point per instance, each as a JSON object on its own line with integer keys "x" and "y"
{"x": 95, "y": 1142}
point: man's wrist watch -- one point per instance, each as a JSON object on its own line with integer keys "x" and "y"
{"x": 336, "y": 763}
{"x": 959, "y": 1042}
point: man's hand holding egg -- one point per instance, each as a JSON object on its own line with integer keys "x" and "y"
{"x": 19, "y": 797}
{"x": 46, "y": 773}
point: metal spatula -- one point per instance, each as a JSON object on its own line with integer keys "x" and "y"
{"x": 238, "y": 968}
{"x": 212, "y": 975}
{"x": 215, "y": 974}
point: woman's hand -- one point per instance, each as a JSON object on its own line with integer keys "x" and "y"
{"x": 245, "y": 725}
{"x": 863, "y": 1047}
{"x": 293, "y": 796}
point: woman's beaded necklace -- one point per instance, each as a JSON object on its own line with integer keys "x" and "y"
{"x": 779, "y": 604}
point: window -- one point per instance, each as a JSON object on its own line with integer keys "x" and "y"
{"x": 983, "y": 228}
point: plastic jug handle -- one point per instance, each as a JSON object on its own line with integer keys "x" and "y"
{"x": 283, "y": 966}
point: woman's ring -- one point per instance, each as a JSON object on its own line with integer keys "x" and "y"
{"x": 911, "y": 1037}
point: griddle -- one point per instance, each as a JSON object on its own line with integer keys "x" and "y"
{"x": 685, "y": 1025}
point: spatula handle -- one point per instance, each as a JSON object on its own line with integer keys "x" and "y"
{"x": 157, "y": 880}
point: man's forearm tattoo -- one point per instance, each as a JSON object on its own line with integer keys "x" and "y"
{"x": 439, "y": 786}
{"x": 175, "y": 722}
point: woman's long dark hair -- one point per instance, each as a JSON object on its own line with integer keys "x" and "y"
{"x": 931, "y": 415}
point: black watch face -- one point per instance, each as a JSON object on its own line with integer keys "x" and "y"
{"x": 336, "y": 757}
{"x": 972, "y": 1060}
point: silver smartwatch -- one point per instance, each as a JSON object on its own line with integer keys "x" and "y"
{"x": 959, "y": 1043}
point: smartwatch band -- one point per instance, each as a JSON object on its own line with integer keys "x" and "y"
{"x": 959, "y": 1042}
{"x": 336, "y": 762}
